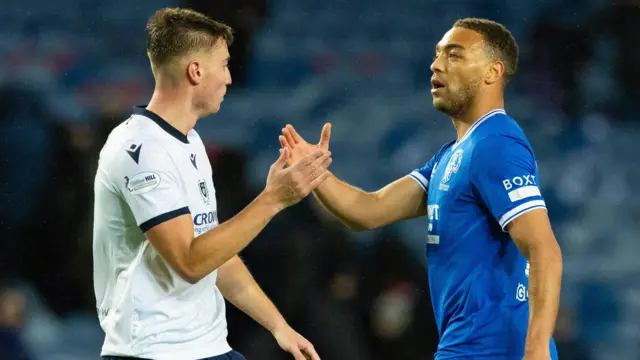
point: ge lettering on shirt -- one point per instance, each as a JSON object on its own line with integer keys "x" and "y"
{"x": 149, "y": 173}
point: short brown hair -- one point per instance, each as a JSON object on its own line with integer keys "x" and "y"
{"x": 174, "y": 32}
{"x": 499, "y": 40}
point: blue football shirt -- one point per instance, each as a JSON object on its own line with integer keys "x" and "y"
{"x": 477, "y": 276}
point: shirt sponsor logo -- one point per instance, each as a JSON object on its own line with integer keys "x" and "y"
{"x": 522, "y": 294}
{"x": 142, "y": 182}
{"x": 521, "y": 187}
{"x": 204, "y": 222}
{"x": 207, "y": 218}
{"x": 433, "y": 212}
{"x": 518, "y": 181}
{"x": 202, "y": 229}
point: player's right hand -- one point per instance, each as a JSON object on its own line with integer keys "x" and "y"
{"x": 290, "y": 185}
{"x": 298, "y": 146}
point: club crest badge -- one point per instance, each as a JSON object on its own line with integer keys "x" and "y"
{"x": 204, "y": 191}
{"x": 452, "y": 167}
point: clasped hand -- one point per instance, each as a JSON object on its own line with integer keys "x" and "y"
{"x": 306, "y": 170}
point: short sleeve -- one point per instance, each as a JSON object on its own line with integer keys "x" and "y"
{"x": 149, "y": 181}
{"x": 423, "y": 174}
{"x": 505, "y": 176}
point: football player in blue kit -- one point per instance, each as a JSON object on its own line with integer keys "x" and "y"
{"x": 494, "y": 264}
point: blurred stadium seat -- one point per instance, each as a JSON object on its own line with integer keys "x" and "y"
{"x": 370, "y": 80}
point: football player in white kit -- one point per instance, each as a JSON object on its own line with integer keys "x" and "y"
{"x": 162, "y": 264}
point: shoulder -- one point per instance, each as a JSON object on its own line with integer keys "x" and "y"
{"x": 126, "y": 152}
{"x": 501, "y": 136}
{"x": 194, "y": 136}
{"x": 446, "y": 146}
{"x": 444, "y": 149}
{"x": 501, "y": 152}
{"x": 499, "y": 143}
{"x": 138, "y": 165}
{"x": 501, "y": 125}
{"x": 498, "y": 149}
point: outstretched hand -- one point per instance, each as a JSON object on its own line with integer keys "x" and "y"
{"x": 298, "y": 147}
{"x": 289, "y": 185}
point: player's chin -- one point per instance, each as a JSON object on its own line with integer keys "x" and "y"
{"x": 214, "y": 108}
{"x": 439, "y": 103}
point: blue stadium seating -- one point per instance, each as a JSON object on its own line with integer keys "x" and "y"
{"x": 371, "y": 81}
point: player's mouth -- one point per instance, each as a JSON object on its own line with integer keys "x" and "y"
{"x": 436, "y": 85}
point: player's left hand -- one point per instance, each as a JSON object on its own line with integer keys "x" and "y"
{"x": 542, "y": 354}
{"x": 293, "y": 343}
{"x": 299, "y": 147}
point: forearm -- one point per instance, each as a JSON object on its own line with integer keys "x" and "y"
{"x": 544, "y": 296}
{"x": 355, "y": 207}
{"x": 238, "y": 286}
{"x": 215, "y": 247}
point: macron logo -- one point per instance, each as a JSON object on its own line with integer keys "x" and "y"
{"x": 134, "y": 152}
{"x": 193, "y": 161}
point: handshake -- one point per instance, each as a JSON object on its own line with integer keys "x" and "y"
{"x": 306, "y": 168}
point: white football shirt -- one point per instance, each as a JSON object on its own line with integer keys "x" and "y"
{"x": 148, "y": 173}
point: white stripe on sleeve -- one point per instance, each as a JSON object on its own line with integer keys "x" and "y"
{"x": 424, "y": 183}
{"x": 519, "y": 210}
{"x": 523, "y": 193}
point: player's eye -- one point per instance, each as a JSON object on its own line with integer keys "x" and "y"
{"x": 454, "y": 56}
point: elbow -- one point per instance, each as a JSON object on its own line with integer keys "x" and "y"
{"x": 554, "y": 263}
{"x": 555, "y": 254}
{"x": 189, "y": 273}
{"x": 190, "y": 276}
{"x": 192, "y": 279}
{"x": 558, "y": 258}
{"x": 361, "y": 226}
{"x": 357, "y": 227}
{"x": 194, "y": 273}
{"x": 550, "y": 255}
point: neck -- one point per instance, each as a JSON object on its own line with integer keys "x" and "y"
{"x": 463, "y": 121}
{"x": 174, "y": 106}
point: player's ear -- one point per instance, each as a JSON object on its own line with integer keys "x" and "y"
{"x": 194, "y": 72}
{"x": 494, "y": 72}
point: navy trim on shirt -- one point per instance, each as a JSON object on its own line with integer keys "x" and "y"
{"x": 141, "y": 110}
{"x": 145, "y": 226}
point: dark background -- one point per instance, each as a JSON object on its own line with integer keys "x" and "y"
{"x": 71, "y": 70}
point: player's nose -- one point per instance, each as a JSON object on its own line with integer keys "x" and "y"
{"x": 437, "y": 65}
